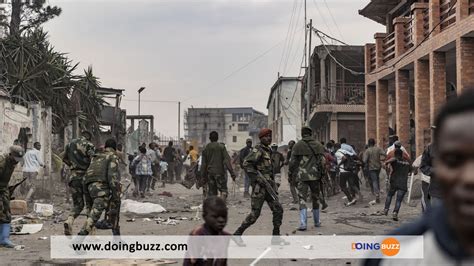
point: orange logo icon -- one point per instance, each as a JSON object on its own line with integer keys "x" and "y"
{"x": 390, "y": 247}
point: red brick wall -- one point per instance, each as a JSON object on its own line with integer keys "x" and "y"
{"x": 382, "y": 112}
{"x": 402, "y": 106}
{"x": 465, "y": 63}
{"x": 422, "y": 103}
{"x": 437, "y": 82}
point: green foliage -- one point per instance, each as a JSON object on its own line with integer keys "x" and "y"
{"x": 28, "y": 15}
{"x": 31, "y": 70}
{"x": 85, "y": 88}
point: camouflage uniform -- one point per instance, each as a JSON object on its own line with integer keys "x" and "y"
{"x": 215, "y": 161}
{"x": 308, "y": 169}
{"x": 260, "y": 160}
{"x": 7, "y": 166}
{"x": 77, "y": 156}
{"x": 102, "y": 185}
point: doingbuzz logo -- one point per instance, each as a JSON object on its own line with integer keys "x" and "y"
{"x": 388, "y": 247}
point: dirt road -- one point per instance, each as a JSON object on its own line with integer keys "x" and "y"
{"x": 340, "y": 220}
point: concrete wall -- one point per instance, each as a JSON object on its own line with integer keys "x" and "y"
{"x": 232, "y": 131}
{"x": 284, "y": 112}
{"x": 37, "y": 120}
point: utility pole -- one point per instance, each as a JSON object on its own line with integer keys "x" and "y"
{"x": 179, "y": 122}
{"x": 305, "y": 35}
{"x": 139, "y": 92}
{"x": 308, "y": 76}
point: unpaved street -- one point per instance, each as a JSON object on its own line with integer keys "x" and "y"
{"x": 340, "y": 220}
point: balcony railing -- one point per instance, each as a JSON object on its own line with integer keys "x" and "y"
{"x": 389, "y": 47}
{"x": 408, "y": 36}
{"x": 447, "y": 12}
{"x": 416, "y": 30}
{"x": 372, "y": 57}
{"x": 426, "y": 22}
{"x": 339, "y": 93}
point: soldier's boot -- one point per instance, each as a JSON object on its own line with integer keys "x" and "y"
{"x": 303, "y": 218}
{"x": 317, "y": 222}
{"x": 246, "y": 194}
{"x": 5, "y": 236}
{"x": 68, "y": 226}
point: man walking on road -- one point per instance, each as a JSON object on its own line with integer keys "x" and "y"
{"x": 242, "y": 154}
{"x": 292, "y": 181}
{"x": 258, "y": 165}
{"x": 215, "y": 162}
{"x": 345, "y": 163}
{"x": 77, "y": 156}
{"x": 372, "y": 158}
{"x": 170, "y": 157}
{"x": 32, "y": 162}
{"x": 307, "y": 165}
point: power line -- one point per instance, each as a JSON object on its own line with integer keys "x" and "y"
{"x": 333, "y": 20}
{"x": 353, "y": 72}
{"x": 293, "y": 38}
{"x": 236, "y": 71}
{"x": 323, "y": 17}
{"x": 287, "y": 34}
{"x": 149, "y": 101}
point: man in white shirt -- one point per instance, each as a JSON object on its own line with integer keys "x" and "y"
{"x": 346, "y": 178}
{"x": 32, "y": 162}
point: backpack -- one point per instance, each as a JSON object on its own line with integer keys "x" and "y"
{"x": 350, "y": 163}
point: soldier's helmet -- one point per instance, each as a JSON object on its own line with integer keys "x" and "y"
{"x": 17, "y": 152}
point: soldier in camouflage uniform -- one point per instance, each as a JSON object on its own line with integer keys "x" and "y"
{"x": 101, "y": 185}
{"x": 259, "y": 160}
{"x": 8, "y": 163}
{"x": 215, "y": 162}
{"x": 306, "y": 164}
{"x": 77, "y": 156}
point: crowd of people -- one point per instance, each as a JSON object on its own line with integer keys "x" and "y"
{"x": 314, "y": 170}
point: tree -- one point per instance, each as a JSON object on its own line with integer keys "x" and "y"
{"x": 28, "y": 14}
{"x": 89, "y": 102}
{"x": 31, "y": 70}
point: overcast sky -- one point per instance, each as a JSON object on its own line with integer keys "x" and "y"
{"x": 185, "y": 50}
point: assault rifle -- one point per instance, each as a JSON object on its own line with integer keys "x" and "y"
{"x": 267, "y": 185}
{"x": 11, "y": 189}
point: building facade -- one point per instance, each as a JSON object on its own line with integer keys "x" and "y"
{"x": 336, "y": 95}
{"x": 234, "y": 125}
{"x": 425, "y": 56}
{"x": 284, "y": 109}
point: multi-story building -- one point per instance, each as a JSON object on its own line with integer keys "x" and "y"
{"x": 336, "y": 108}
{"x": 284, "y": 109}
{"x": 234, "y": 125}
{"x": 425, "y": 56}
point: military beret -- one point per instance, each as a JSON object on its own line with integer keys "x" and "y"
{"x": 264, "y": 132}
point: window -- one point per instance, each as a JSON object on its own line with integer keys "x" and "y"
{"x": 234, "y": 139}
{"x": 230, "y": 127}
{"x": 243, "y": 127}
{"x": 205, "y": 125}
